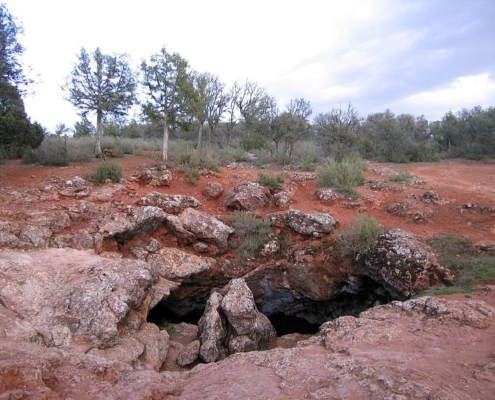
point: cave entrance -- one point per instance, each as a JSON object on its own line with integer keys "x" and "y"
{"x": 285, "y": 324}
{"x": 161, "y": 315}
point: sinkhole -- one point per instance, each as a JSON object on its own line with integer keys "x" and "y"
{"x": 291, "y": 315}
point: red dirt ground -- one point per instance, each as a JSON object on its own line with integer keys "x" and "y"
{"x": 457, "y": 183}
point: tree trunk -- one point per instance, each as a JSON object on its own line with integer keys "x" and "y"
{"x": 99, "y": 131}
{"x": 200, "y": 134}
{"x": 165, "y": 141}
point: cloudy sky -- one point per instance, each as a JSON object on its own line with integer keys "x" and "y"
{"x": 421, "y": 57}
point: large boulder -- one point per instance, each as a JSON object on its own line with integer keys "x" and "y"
{"x": 170, "y": 203}
{"x": 153, "y": 177}
{"x": 249, "y": 197}
{"x": 402, "y": 265}
{"x": 178, "y": 266}
{"x": 310, "y": 224}
{"x": 206, "y": 228}
{"x": 123, "y": 226}
{"x": 232, "y": 323}
{"x": 76, "y": 297}
{"x": 213, "y": 190}
{"x": 212, "y": 330}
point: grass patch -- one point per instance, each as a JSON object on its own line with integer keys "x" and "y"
{"x": 344, "y": 176}
{"x": 356, "y": 238}
{"x": 459, "y": 255}
{"x": 272, "y": 182}
{"x": 401, "y": 177}
{"x": 253, "y": 233}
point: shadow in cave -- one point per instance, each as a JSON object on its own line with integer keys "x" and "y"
{"x": 161, "y": 315}
{"x": 304, "y": 317}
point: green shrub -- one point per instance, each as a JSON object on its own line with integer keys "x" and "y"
{"x": 358, "y": 237}
{"x": 459, "y": 255}
{"x": 252, "y": 142}
{"x": 107, "y": 170}
{"x": 253, "y": 233}
{"x": 402, "y": 177}
{"x": 52, "y": 152}
{"x": 192, "y": 174}
{"x": 345, "y": 176}
{"x": 118, "y": 153}
{"x": 272, "y": 182}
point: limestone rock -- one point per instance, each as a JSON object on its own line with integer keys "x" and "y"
{"x": 249, "y": 197}
{"x": 75, "y": 297}
{"x": 283, "y": 200}
{"x": 170, "y": 203}
{"x": 213, "y": 190}
{"x": 402, "y": 264}
{"x": 206, "y": 228}
{"x": 232, "y": 323}
{"x": 310, "y": 224}
{"x": 125, "y": 225}
{"x": 177, "y": 265}
{"x": 188, "y": 354}
{"x": 328, "y": 196}
{"x": 212, "y": 330}
{"x": 154, "y": 177}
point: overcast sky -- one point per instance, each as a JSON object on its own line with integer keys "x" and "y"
{"x": 418, "y": 57}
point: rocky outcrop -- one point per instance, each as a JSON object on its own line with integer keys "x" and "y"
{"x": 312, "y": 224}
{"x": 248, "y": 197}
{"x": 170, "y": 203}
{"x": 402, "y": 265}
{"x": 232, "y": 323}
{"x": 65, "y": 333}
{"x": 76, "y": 297}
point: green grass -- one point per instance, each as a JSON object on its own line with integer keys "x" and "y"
{"x": 356, "y": 238}
{"x": 272, "y": 182}
{"x": 344, "y": 176}
{"x": 401, "y": 177}
{"x": 459, "y": 255}
{"x": 253, "y": 233}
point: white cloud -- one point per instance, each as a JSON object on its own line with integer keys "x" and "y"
{"x": 465, "y": 91}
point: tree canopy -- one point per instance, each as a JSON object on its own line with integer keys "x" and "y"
{"x": 102, "y": 84}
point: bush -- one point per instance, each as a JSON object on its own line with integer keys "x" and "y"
{"x": 252, "y": 142}
{"x": 358, "y": 237}
{"x": 50, "y": 153}
{"x": 272, "y": 182}
{"x": 345, "y": 176}
{"x": 107, "y": 170}
{"x": 252, "y": 232}
{"x": 459, "y": 255}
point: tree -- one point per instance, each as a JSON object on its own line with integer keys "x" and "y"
{"x": 16, "y": 130}
{"x": 61, "y": 129}
{"x": 103, "y": 84}
{"x": 10, "y": 51}
{"x": 165, "y": 78}
{"x": 83, "y": 128}
{"x": 337, "y": 131}
{"x": 253, "y": 103}
{"x": 217, "y": 104}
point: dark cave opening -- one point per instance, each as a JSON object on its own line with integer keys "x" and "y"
{"x": 285, "y": 324}
{"x": 303, "y": 316}
{"x": 161, "y": 315}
